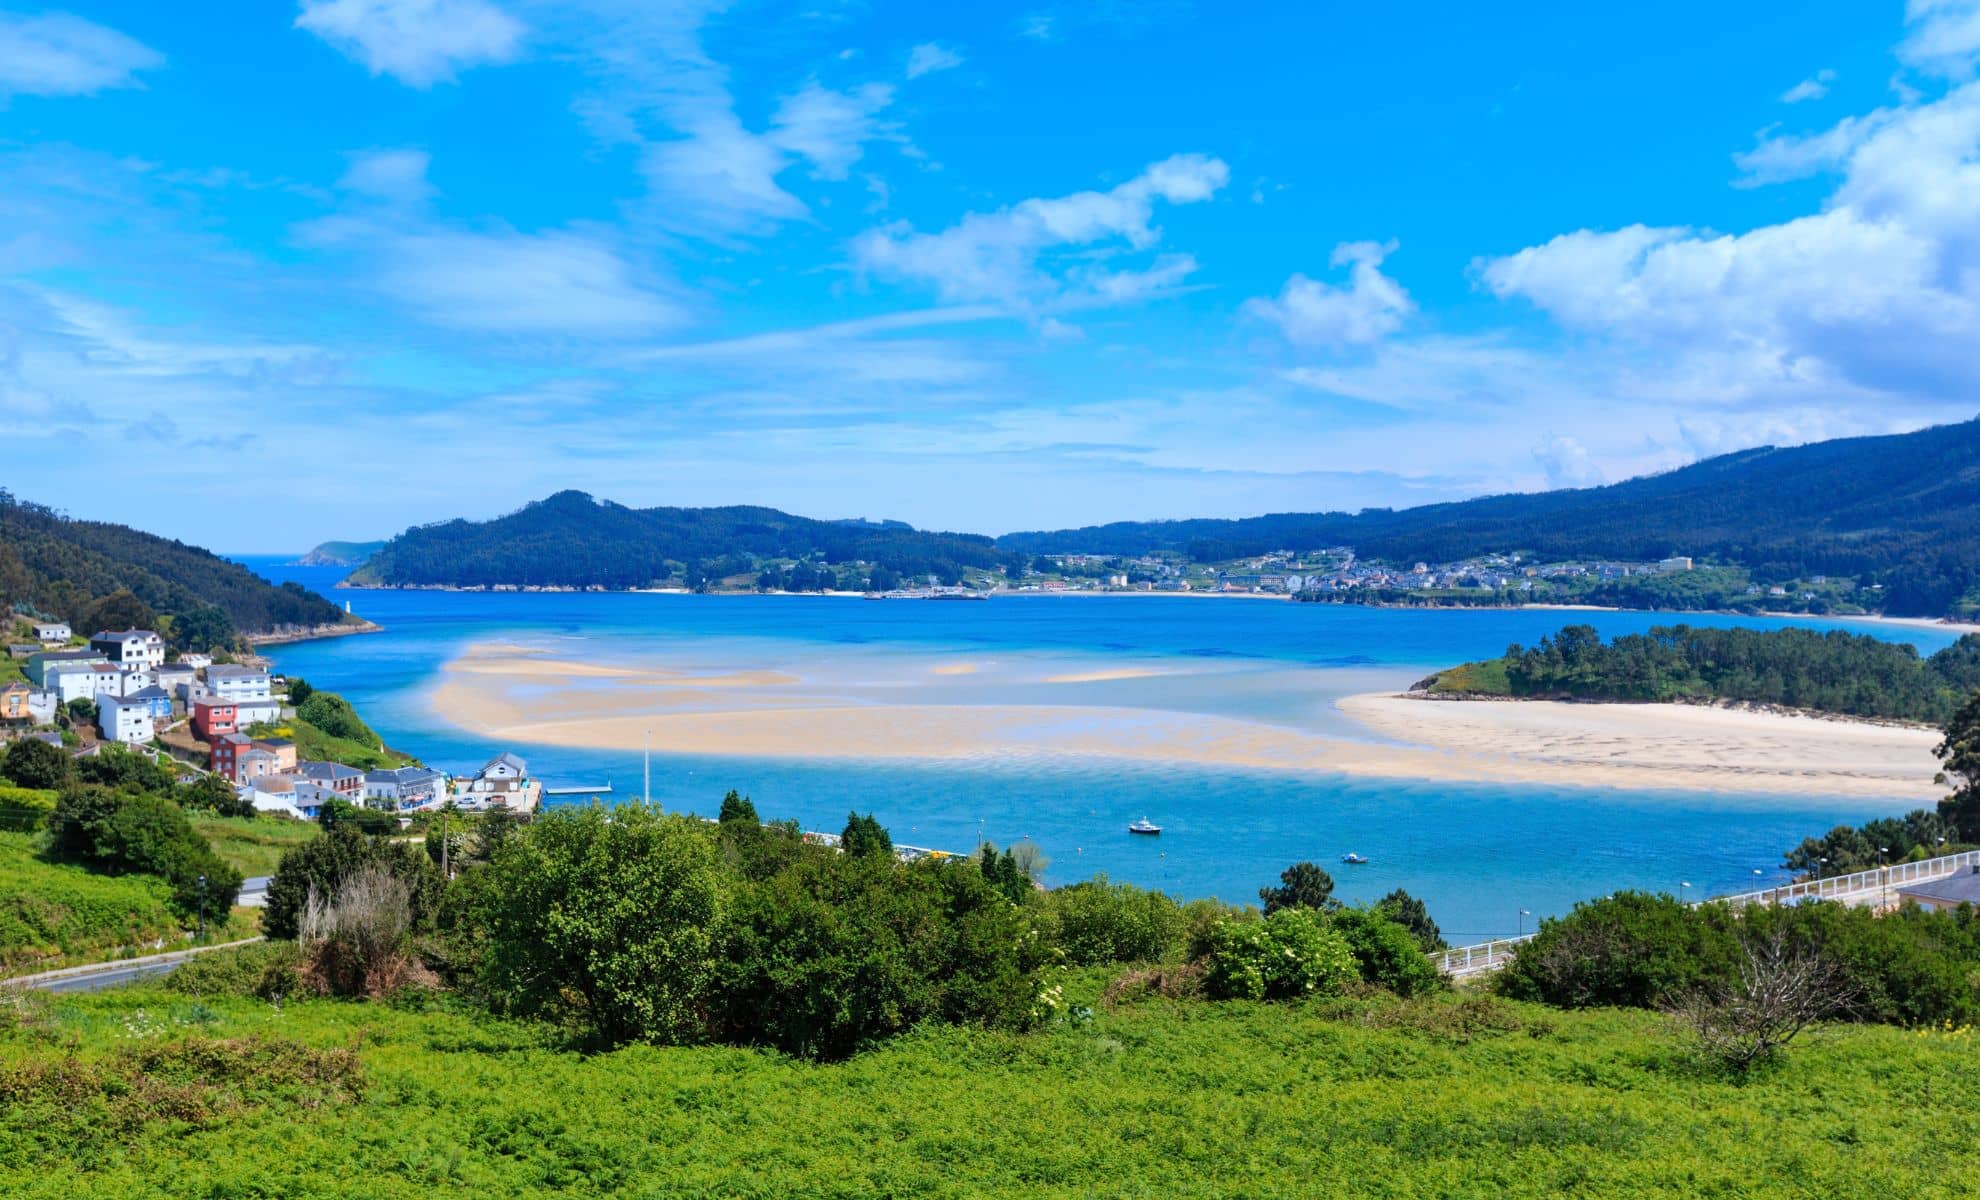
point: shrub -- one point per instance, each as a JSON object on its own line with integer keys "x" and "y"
{"x": 33, "y": 763}
{"x": 606, "y": 920}
{"x": 25, "y": 810}
{"x": 116, "y": 766}
{"x": 865, "y": 836}
{"x": 836, "y": 951}
{"x": 1302, "y": 885}
{"x": 122, "y": 833}
{"x": 1387, "y": 954}
{"x": 1099, "y": 922}
{"x": 1777, "y": 990}
{"x": 1202, "y": 916}
{"x": 268, "y": 970}
{"x": 1293, "y": 952}
{"x": 210, "y": 793}
{"x": 1909, "y": 968}
{"x": 355, "y": 938}
{"x": 1412, "y": 914}
{"x": 1631, "y": 949}
{"x": 322, "y": 864}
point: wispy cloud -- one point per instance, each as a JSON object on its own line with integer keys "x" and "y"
{"x": 1815, "y": 87}
{"x": 930, "y": 57}
{"x": 418, "y": 42}
{"x": 55, "y": 54}
{"x": 1004, "y": 256}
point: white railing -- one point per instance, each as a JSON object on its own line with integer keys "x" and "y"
{"x": 1490, "y": 956}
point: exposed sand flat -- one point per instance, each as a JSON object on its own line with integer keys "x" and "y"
{"x": 764, "y": 713}
{"x": 956, "y": 668}
{"x": 1664, "y": 745}
{"x": 1105, "y": 676}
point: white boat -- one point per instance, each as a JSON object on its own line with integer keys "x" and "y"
{"x": 1144, "y": 825}
{"x": 1353, "y": 859}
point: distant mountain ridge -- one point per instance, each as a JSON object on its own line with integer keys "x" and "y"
{"x": 52, "y": 564}
{"x": 1901, "y": 510}
{"x": 572, "y": 540}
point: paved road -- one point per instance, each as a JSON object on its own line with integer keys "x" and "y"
{"x": 103, "y": 975}
{"x": 254, "y": 892}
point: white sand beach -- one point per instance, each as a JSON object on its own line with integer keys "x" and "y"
{"x": 517, "y": 693}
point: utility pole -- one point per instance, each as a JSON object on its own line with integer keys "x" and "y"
{"x": 444, "y": 872}
{"x": 646, "y": 792}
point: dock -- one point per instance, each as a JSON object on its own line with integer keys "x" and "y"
{"x": 604, "y": 789}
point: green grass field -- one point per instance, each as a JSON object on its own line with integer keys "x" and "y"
{"x": 314, "y": 745}
{"x": 1479, "y": 678}
{"x": 147, "y": 1093}
{"x": 53, "y": 914}
{"x": 254, "y": 845}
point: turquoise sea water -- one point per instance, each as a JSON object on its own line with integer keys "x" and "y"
{"x": 1478, "y": 854}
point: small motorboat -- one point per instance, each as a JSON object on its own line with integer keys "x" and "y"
{"x": 1354, "y": 859}
{"x": 1144, "y": 825}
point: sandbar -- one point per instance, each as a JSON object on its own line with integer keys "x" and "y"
{"x": 497, "y": 692}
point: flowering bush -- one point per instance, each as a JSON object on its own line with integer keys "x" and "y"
{"x": 1293, "y": 952}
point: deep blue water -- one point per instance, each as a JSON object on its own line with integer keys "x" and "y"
{"x": 1478, "y": 854}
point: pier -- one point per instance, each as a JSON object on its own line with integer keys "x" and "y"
{"x": 604, "y": 789}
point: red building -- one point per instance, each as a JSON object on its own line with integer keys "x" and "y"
{"x": 227, "y": 749}
{"x": 212, "y": 719}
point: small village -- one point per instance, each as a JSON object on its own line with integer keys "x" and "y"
{"x": 220, "y": 718}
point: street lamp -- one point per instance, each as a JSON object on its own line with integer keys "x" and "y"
{"x": 202, "y": 908}
{"x": 1523, "y": 914}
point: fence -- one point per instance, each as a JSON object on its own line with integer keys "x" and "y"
{"x": 1490, "y": 956}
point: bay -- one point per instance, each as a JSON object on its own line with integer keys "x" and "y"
{"x": 1477, "y": 854}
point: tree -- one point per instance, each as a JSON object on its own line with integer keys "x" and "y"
{"x": 498, "y": 825}
{"x": 202, "y": 627}
{"x": 1387, "y": 954}
{"x": 33, "y": 763}
{"x": 1779, "y": 990}
{"x": 1305, "y": 885}
{"x": 210, "y": 793}
{"x": 299, "y": 689}
{"x": 1412, "y": 914}
{"x": 334, "y": 715}
{"x": 119, "y": 610}
{"x": 607, "y": 920}
{"x": 120, "y": 767}
{"x": 124, "y": 833}
{"x": 864, "y": 837}
{"x": 1960, "y": 754}
{"x": 322, "y": 865}
{"x": 1292, "y": 953}
{"x": 342, "y": 814}
{"x": 737, "y": 808}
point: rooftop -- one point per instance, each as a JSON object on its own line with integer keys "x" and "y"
{"x": 1963, "y": 888}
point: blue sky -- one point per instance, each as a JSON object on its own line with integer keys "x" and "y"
{"x": 273, "y": 273}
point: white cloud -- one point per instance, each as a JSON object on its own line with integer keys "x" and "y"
{"x": 1814, "y": 87}
{"x": 418, "y": 42}
{"x": 1944, "y": 38}
{"x": 1566, "y": 463}
{"x": 55, "y": 54}
{"x": 518, "y": 283}
{"x": 998, "y": 257}
{"x": 828, "y": 128}
{"x": 929, "y": 57}
{"x": 1311, "y": 313}
{"x": 1882, "y": 287}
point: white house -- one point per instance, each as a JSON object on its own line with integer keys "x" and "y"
{"x": 238, "y": 683}
{"x": 51, "y": 633}
{"x": 196, "y": 661}
{"x": 134, "y": 679}
{"x": 155, "y": 698}
{"x": 257, "y": 712}
{"x": 127, "y": 721}
{"x": 404, "y": 787}
{"x": 504, "y": 780}
{"x": 81, "y": 680}
{"x": 130, "y": 647}
{"x": 38, "y": 665}
{"x": 177, "y": 679}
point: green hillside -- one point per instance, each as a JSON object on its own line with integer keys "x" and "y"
{"x": 1902, "y": 511}
{"x": 340, "y": 554}
{"x": 53, "y": 913}
{"x": 52, "y": 564}
{"x": 572, "y": 540}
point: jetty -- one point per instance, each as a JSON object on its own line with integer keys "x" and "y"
{"x": 581, "y": 789}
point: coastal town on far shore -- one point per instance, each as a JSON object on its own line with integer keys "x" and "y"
{"x": 228, "y": 719}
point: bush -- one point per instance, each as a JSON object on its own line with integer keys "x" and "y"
{"x": 606, "y": 920}
{"x": 1099, "y": 922}
{"x": 1412, "y": 914}
{"x": 837, "y": 951}
{"x": 322, "y": 864}
{"x": 355, "y": 938}
{"x": 122, "y": 833}
{"x": 1631, "y": 949}
{"x": 1302, "y": 885}
{"x": 1294, "y": 952}
{"x": 210, "y": 793}
{"x": 266, "y": 970}
{"x": 116, "y": 766}
{"x": 1386, "y": 953}
{"x": 25, "y": 810}
{"x": 33, "y": 763}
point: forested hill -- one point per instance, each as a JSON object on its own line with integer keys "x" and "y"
{"x": 1830, "y": 671}
{"x": 572, "y": 540}
{"x": 1902, "y": 511}
{"x": 92, "y": 574}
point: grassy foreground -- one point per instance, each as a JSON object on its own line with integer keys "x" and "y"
{"x": 53, "y": 914}
{"x": 148, "y": 1093}
{"x": 253, "y": 845}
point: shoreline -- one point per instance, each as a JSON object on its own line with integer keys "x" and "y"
{"x": 314, "y": 633}
{"x": 494, "y": 692}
